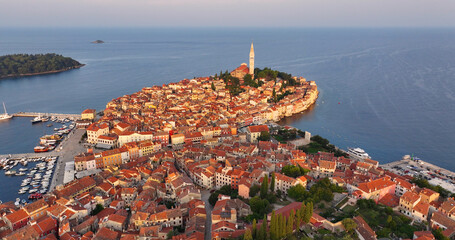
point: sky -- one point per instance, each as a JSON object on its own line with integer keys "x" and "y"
{"x": 227, "y": 13}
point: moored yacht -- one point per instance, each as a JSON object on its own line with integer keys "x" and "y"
{"x": 37, "y": 119}
{"x": 358, "y": 152}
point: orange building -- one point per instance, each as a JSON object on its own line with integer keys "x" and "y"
{"x": 111, "y": 157}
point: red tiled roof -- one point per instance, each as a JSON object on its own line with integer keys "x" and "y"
{"x": 258, "y": 128}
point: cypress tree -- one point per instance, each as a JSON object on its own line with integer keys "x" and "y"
{"x": 254, "y": 230}
{"x": 282, "y": 226}
{"x": 273, "y": 226}
{"x": 274, "y": 95}
{"x": 290, "y": 223}
{"x": 264, "y": 187}
{"x": 279, "y": 219}
{"x": 308, "y": 212}
{"x": 272, "y": 183}
{"x": 247, "y": 235}
{"x": 264, "y": 228}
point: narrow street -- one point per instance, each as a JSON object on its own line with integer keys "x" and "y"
{"x": 205, "y": 194}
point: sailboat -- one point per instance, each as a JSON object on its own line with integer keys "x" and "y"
{"x": 37, "y": 119}
{"x": 5, "y": 115}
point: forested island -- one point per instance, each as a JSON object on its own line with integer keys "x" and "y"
{"x": 19, "y": 65}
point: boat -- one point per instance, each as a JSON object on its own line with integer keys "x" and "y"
{"x": 358, "y": 152}
{"x": 39, "y": 149}
{"x": 35, "y": 196}
{"x": 10, "y": 172}
{"x": 20, "y": 174}
{"x": 23, "y": 169}
{"x": 33, "y": 190}
{"x": 5, "y": 115}
{"x": 22, "y": 191}
{"x": 37, "y": 119}
{"x": 49, "y": 125}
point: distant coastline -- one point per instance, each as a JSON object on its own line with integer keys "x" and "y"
{"x": 40, "y": 73}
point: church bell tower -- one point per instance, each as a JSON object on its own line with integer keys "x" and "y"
{"x": 251, "y": 60}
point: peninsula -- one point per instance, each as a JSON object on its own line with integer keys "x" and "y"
{"x": 21, "y": 65}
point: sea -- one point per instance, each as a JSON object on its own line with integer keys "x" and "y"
{"x": 390, "y": 91}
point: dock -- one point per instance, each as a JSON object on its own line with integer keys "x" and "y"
{"x": 57, "y": 115}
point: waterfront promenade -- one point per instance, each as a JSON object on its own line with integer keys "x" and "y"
{"x": 66, "y": 151}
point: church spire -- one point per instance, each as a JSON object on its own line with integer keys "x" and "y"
{"x": 251, "y": 59}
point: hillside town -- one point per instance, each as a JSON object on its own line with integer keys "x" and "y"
{"x": 194, "y": 160}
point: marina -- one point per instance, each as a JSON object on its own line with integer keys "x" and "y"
{"x": 35, "y": 179}
{"x": 31, "y": 173}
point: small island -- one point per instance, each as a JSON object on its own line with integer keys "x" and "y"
{"x": 21, "y": 65}
{"x": 98, "y": 41}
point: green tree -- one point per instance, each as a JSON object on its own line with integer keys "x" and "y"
{"x": 273, "y": 227}
{"x": 213, "y": 86}
{"x": 254, "y": 190}
{"x": 254, "y": 229}
{"x": 290, "y": 223}
{"x": 308, "y": 212}
{"x": 263, "y": 229}
{"x": 297, "y": 192}
{"x": 247, "y": 235}
{"x": 259, "y": 206}
{"x": 264, "y": 187}
{"x": 349, "y": 224}
{"x": 272, "y": 183}
{"x": 213, "y": 198}
{"x": 274, "y": 98}
{"x": 437, "y": 233}
{"x": 299, "y": 215}
{"x": 98, "y": 209}
{"x": 282, "y": 226}
{"x": 265, "y": 136}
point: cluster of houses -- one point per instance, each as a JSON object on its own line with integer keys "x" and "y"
{"x": 148, "y": 196}
{"x": 194, "y": 111}
{"x": 168, "y": 147}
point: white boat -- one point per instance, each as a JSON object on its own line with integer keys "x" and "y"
{"x": 23, "y": 169}
{"x": 37, "y": 119}
{"x": 33, "y": 191}
{"x": 22, "y": 191}
{"x": 11, "y": 172}
{"x": 5, "y": 115}
{"x": 358, "y": 152}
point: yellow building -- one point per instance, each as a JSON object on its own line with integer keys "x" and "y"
{"x": 177, "y": 139}
{"x": 111, "y": 157}
{"x": 88, "y": 114}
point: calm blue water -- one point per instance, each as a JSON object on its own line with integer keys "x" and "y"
{"x": 389, "y": 91}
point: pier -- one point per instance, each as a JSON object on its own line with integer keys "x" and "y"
{"x": 57, "y": 115}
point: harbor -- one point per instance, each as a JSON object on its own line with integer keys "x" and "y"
{"x": 416, "y": 167}
{"x": 25, "y": 176}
